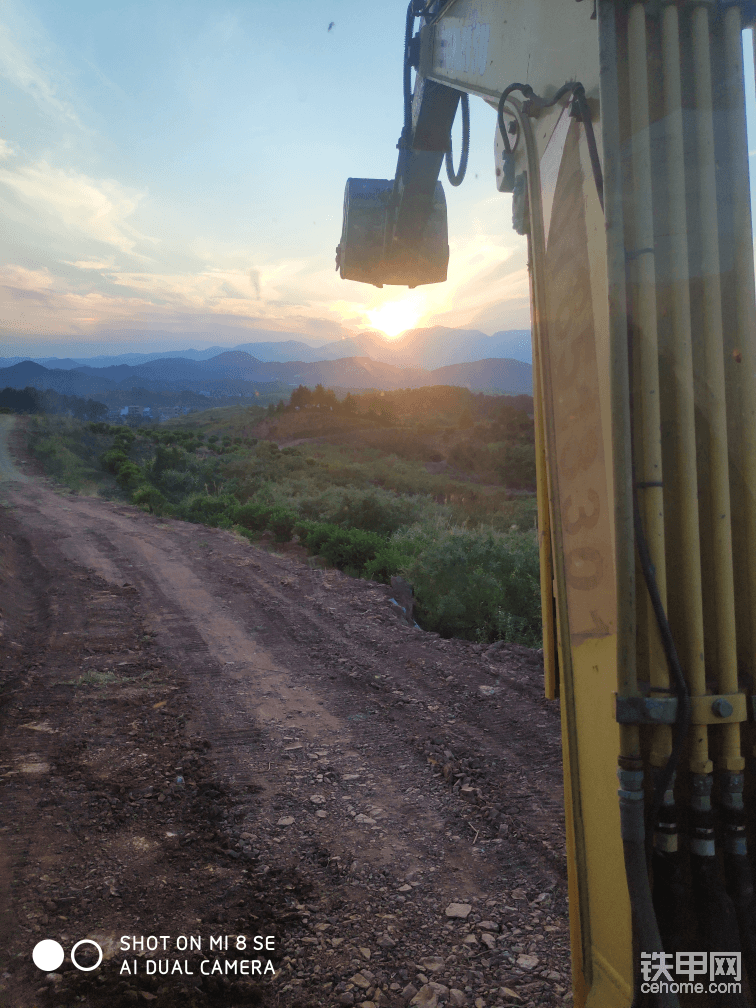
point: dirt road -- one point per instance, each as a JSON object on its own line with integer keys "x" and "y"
{"x": 202, "y": 738}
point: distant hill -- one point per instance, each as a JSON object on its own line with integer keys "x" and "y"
{"x": 439, "y": 346}
{"x": 235, "y": 372}
{"x": 22, "y": 372}
{"x": 492, "y": 375}
{"x": 432, "y": 347}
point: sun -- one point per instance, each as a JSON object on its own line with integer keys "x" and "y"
{"x": 395, "y": 317}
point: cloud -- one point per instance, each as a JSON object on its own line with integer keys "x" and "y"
{"x": 6, "y": 150}
{"x": 18, "y": 67}
{"x": 82, "y": 264}
{"x": 207, "y": 278}
{"x": 75, "y": 203}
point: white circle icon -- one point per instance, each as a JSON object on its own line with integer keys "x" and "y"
{"x": 48, "y": 955}
{"x": 86, "y": 941}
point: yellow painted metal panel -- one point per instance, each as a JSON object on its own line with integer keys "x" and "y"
{"x": 478, "y": 43}
{"x": 580, "y": 451}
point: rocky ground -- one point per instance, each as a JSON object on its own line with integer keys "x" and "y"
{"x": 201, "y": 739}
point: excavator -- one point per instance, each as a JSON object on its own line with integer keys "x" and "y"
{"x": 621, "y": 138}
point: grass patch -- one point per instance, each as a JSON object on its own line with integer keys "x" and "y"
{"x": 95, "y": 677}
{"x": 105, "y": 677}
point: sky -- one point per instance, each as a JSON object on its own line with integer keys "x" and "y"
{"x": 180, "y": 167}
{"x": 177, "y": 168}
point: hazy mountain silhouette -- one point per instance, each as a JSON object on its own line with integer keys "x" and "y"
{"x": 233, "y": 373}
{"x": 433, "y": 347}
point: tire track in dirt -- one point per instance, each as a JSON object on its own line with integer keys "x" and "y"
{"x": 308, "y": 688}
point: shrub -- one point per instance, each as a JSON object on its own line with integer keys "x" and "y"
{"x": 129, "y": 476}
{"x": 313, "y": 534}
{"x": 372, "y": 508}
{"x": 258, "y": 517}
{"x": 376, "y": 510}
{"x": 252, "y": 516}
{"x": 124, "y": 438}
{"x": 151, "y": 498}
{"x": 210, "y": 510}
{"x": 166, "y": 457}
{"x": 281, "y": 522}
{"x": 178, "y": 483}
{"x": 388, "y": 561}
{"x": 479, "y": 585}
{"x": 352, "y": 548}
{"x": 113, "y": 459}
{"x": 516, "y": 465}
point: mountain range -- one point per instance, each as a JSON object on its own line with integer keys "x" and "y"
{"x": 237, "y": 372}
{"x": 433, "y": 347}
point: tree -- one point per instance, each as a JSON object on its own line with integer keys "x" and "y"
{"x": 89, "y": 409}
{"x": 27, "y": 400}
{"x": 516, "y": 465}
{"x": 512, "y": 423}
{"x": 301, "y": 396}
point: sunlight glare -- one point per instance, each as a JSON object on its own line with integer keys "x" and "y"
{"x": 395, "y": 317}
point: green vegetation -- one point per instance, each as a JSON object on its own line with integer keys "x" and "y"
{"x": 69, "y": 450}
{"x": 32, "y": 400}
{"x": 417, "y": 483}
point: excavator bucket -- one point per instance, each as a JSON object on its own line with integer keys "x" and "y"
{"x": 371, "y": 253}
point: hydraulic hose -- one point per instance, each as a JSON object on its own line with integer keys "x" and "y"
{"x": 633, "y": 827}
{"x": 581, "y": 111}
{"x": 456, "y": 179}
{"x": 738, "y": 871}
{"x": 665, "y": 777}
{"x": 404, "y": 142}
{"x": 407, "y": 71}
{"x": 715, "y": 911}
{"x": 668, "y": 887}
{"x": 669, "y": 874}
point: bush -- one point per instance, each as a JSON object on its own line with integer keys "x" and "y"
{"x": 479, "y": 585}
{"x": 151, "y": 498}
{"x": 205, "y": 509}
{"x": 388, "y": 561}
{"x": 113, "y": 459}
{"x": 372, "y": 508}
{"x": 178, "y": 483}
{"x": 129, "y": 476}
{"x": 166, "y": 457}
{"x": 252, "y": 516}
{"x": 281, "y": 522}
{"x": 376, "y": 510}
{"x": 517, "y": 467}
{"x": 343, "y": 548}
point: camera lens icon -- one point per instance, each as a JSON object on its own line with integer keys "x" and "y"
{"x": 48, "y": 955}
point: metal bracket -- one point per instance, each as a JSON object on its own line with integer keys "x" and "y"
{"x": 709, "y": 709}
{"x": 718, "y": 709}
{"x": 646, "y": 710}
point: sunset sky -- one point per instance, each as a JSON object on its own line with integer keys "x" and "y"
{"x": 181, "y": 166}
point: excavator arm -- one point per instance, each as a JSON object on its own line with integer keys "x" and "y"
{"x": 620, "y": 133}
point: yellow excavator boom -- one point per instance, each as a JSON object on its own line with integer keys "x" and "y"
{"x": 621, "y": 135}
